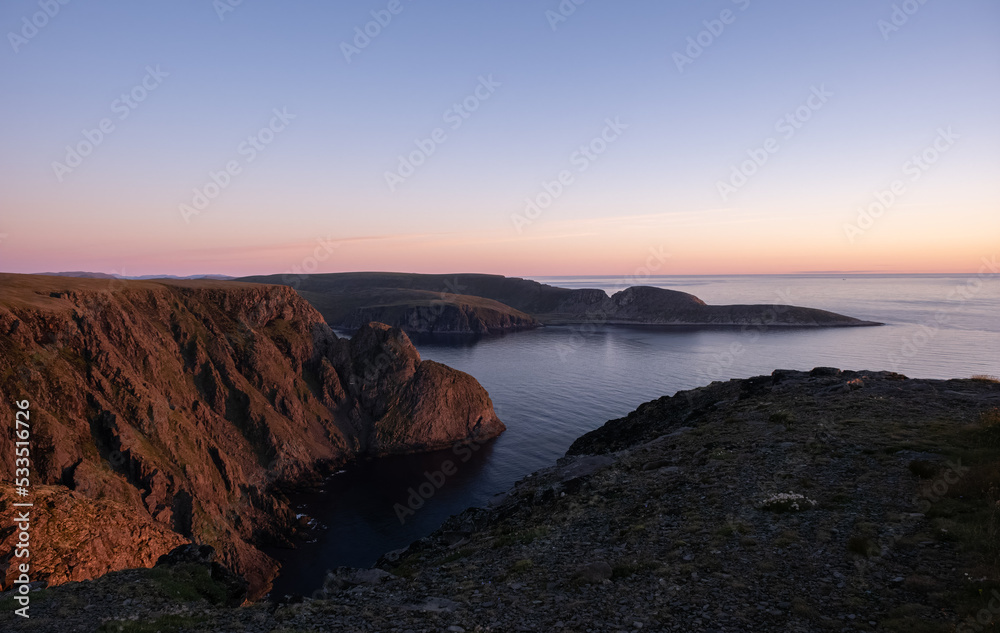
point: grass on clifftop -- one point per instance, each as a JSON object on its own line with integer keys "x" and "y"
{"x": 962, "y": 500}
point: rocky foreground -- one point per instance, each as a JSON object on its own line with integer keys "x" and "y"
{"x": 801, "y": 501}
{"x": 168, "y": 412}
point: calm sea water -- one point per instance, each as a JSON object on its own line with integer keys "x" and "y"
{"x": 553, "y": 384}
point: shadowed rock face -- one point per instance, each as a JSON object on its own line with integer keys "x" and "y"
{"x": 168, "y": 412}
{"x": 414, "y": 404}
{"x": 479, "y": 304}
{"x": 419, "y": 311}
{"x": 646, "y": 302}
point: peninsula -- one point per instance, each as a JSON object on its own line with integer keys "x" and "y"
{"x": 482, "y": 304}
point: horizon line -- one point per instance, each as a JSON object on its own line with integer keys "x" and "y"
{"x": 633, "y": 276}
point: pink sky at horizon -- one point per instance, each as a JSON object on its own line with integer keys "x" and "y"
{"x": 562, "y": 249}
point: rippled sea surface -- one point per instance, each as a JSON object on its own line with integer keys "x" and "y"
{"x": 551, "y": 385}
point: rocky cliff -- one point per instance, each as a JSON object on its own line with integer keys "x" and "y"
{"x": 164, "y": 412}
{"x": 825, "y": 500}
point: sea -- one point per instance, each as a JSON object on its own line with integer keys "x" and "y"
{"x": 553, "y": 384}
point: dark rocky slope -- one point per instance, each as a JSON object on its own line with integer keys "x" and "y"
{"x": 474, "y": 303}
{"x": 175, "y": 411}
{"x": 667, "y": 520}
{"x": 419, "y": 311}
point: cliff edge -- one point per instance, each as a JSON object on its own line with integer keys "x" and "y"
{"x": 168, "y": 412}
{"x": 825, "y": 500}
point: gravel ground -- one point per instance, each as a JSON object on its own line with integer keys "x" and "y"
{"x": 673, "y": 519}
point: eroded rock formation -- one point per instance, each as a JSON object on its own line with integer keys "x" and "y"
{"x": 166, "y": 412}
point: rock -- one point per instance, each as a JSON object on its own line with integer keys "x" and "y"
{"x": 657, "y": 463}
{"x": 825, "y": 372}
{"x": 584, "y": 466}
{"x": 344, "y": 577}
{"x": 597, "y": 571}
{"x": 434, "y": 604}
{"x": 188, "y": 553}
{"x": 836, "y": 389}
{"x": 393, "y": 556}
{"x": 691, "y": 552}
{"x": 226, "y": 391}
{"x": 75, "y": 537}
{"x": 234, "y": 586}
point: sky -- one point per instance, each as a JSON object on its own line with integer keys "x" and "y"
{"x": 573, "y": 137}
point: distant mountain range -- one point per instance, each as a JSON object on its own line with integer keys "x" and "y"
{"x": 88, "y": 275}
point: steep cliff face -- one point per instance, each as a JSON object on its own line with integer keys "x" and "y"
{"x": 174, "y": 411}
{"x": 75, "y": 537}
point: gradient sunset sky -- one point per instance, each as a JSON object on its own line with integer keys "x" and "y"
{"x": 883, "y": 95}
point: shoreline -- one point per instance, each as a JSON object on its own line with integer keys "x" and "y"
{"x": 865, "y": 450}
